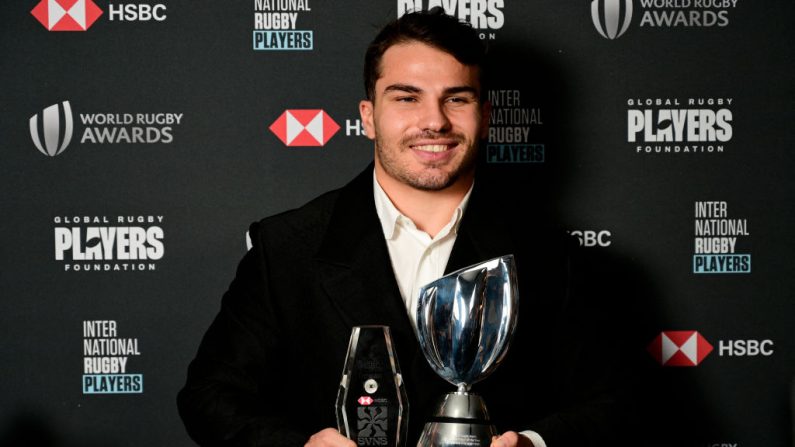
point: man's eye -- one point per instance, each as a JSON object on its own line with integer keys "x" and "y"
{"x": 458, "y": 100}
{"x": 406, "y": 99}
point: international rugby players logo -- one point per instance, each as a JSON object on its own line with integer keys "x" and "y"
{"x": 53, "y": 141}
{"x": 66, "y": 15}
{"x": 302, "y": 127}
{"x": 611, "y": 17}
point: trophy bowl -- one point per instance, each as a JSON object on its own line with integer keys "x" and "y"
{"x": 465, "y": 321}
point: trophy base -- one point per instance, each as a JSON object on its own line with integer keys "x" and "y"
{"x": 460, "y": 420}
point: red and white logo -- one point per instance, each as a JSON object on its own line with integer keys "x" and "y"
{"x": 304, "y": 127}
{"x": 66, "y": 15}
{"x": 679, "y": 348}
{"x": 365, "y": 400}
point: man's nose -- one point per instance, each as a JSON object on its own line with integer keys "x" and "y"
{"x": 434, "y": 117}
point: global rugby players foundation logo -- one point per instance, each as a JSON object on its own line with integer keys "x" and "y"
{"x": 304, "y": 127}
{"x": 51, "y": 137}
{"x": 679, "y": 348}
{"x": 66, "y": 15}
{"x": 611, "y": 17}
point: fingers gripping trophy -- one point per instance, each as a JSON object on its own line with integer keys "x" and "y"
{"x": 465, "y": 321}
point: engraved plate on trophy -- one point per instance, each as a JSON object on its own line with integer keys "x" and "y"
{"x": 372, "y": 406}
{"x": 465, "y": 321}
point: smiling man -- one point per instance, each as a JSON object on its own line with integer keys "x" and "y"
{"x": 268, "y": 368}
{"x": 426, "y": 116}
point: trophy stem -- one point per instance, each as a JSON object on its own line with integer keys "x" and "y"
{"x": 461, "y": 420}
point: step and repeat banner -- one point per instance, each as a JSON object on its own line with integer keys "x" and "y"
{"x": 141, "y": 137}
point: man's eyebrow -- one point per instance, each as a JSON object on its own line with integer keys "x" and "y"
{"x": 406, "y": 88}
{"x": 402, "y": 88}
{"x": 461, "y": 89}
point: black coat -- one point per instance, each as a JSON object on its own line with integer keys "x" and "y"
{"x": 268, "y": 369}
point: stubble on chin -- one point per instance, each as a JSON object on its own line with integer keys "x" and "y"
{"x": 431, "y": 177}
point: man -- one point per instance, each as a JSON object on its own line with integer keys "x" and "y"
{"x": 268, "y": 369}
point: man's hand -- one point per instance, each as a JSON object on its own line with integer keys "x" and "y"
{"x": 511, "y": 439}
{"x": 329, "y": 437}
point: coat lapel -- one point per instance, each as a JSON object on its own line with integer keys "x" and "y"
{"x": 482, "y": 235}
{"x": 354, "y": 265}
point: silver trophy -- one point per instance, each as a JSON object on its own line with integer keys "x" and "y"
{"x": 465, "y": 321}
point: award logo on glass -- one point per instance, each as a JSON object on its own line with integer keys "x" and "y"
{"x": 372, "y": 406}
{"x": 465, "y": 321}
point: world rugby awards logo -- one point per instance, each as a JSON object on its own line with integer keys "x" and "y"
{"x": 302, "y": 127}
{"x": 51, "y": 129}
{"x": 66, "y": 15}
{"x": 611, "y": 17}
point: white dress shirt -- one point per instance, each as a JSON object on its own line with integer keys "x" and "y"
{"x": 417, "y": 258}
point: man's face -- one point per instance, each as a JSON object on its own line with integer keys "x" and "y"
{"x": 426, "y": 118}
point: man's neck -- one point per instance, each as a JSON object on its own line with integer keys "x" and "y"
{"x": 429, "y": 210}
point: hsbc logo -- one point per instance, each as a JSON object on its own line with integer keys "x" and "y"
{"x": 689, "y": 348}
{"x": 66, "y": 15}
{"x": 611, "y": 17}
{"x": 48, "y": 137}
{"x": 365, "y": 400}
{"x": 679, "y": 348}
{"x": 79, "y": 15}
{"x": 591, "y": 238}
{"x": 304, "y": 127}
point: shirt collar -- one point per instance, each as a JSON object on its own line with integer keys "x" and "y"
{"x": 390, "y": 216}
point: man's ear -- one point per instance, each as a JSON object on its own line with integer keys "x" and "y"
{"x": 366, "y": 113}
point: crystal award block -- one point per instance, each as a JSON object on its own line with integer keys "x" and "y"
{"x": 372, "y": 406}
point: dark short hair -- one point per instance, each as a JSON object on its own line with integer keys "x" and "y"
{"x": 433, "y": 28}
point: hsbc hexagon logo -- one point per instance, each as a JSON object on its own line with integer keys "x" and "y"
{"x": 365, "y": 400}
{"x": 304, "y": 127}
{"x": 66, "y": 15}
{"x": 679, "y": 348}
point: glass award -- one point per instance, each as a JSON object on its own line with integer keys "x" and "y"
{"x": 372, "y": 406}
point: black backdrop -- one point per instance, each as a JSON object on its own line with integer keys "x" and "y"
{"x": 138, "y": 221}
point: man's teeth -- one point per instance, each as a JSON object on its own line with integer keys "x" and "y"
{"x": 432, "y": 147}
